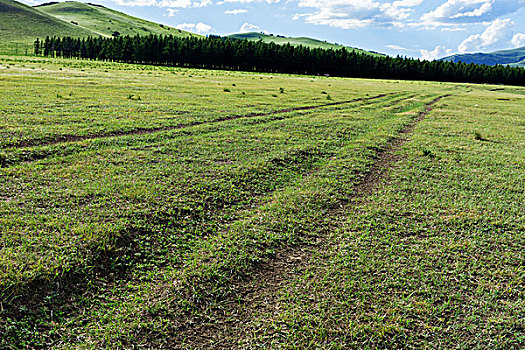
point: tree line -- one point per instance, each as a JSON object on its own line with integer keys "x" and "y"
{"x": 215, "y": 52}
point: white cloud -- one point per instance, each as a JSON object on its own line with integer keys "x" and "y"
{"x": 136, "y": 2}
{"x": 518, "y": 40}
{"x": 439, "y": 51}
{"x": 199, "y": 28}
{"x": 172, "y": 12}
{"x": 165, "y": 3}
{"x": 498, "y": 32}
{"x": 235, "y": 12}
{"x": 247, "y": 1}
{"x": 399, "y": 48}
{"x": 395, "y": 47}
{"x": 248, "y": 27}
{"x": 456, "y": 29}
{"x": 470, "y": 11}
{"x": 407, "y": 3}
{"x": 349, "y": 14}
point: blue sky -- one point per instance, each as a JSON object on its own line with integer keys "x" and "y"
{"x": 417, "y": 28}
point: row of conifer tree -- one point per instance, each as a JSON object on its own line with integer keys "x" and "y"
{"x": 232, "y": 54}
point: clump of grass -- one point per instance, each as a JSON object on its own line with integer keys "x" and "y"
{"x": 3, "y": 160}
{"x": 227, "y": 90}
{"x": 281, "y": 90}
{"x": 324, "y": 93}
{"x": 274, "y": 95}
{"x": 329, "y": 98}
{"x": 479, "y": 137}
{"x": 427, "y": 153}
{"x": 59, "y": 96}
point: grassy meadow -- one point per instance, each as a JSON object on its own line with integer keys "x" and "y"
{"x": 156, "y": 207}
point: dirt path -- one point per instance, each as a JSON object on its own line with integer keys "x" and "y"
{"x": 232, "y": 323}
{"x": 145, "y": 131}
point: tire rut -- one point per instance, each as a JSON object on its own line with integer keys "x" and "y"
{"x": 260, "y": 292}
{"x": 145, "y": 131}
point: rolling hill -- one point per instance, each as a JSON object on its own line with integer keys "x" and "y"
{"x": 104, "y": 21}
{"x": 308, "y": 42}
{"x": 514, "y": 57}
{"x": 20, "y": 24}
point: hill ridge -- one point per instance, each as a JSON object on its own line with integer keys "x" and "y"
{"x": 512, "y": 57}
{"x": 296, "y": 41}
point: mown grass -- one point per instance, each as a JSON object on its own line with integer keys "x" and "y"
{"x": 127, "y": 240}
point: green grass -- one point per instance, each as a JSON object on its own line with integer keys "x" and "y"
{"x": 434, "y": 257}
{"x": 21, "y": 25}
{"x": 307, "y": 42}
{"x": 104, "y": 21}
{"x": 115, "y": 232}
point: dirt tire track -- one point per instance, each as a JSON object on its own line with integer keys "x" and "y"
{"x": 75, "y": 282}
{"x": 145, "y": 131}
{"x": 260, "y": 292}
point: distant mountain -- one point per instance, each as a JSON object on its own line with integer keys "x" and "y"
{"x": 20, "y": 24}
{"x": 308, "y": 42}
{"x": 514, "y": 57}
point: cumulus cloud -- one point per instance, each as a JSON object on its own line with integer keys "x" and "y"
{"x": 235, "y": 12}
{"x": 247, "y": 1}
{"x": 498, "y": 32}
{"x": 456, "y": 29}
{"x": 439, "y": 51}
{"x": 248, "y": 27}
{"x": 349, "y": 14}
{"x": 396, "y": 47}
{"x": 199, "y": 28}
{"x": 136, "y": 2}
{"x": 470, "y": 11}
{"x": 518, "y": 40}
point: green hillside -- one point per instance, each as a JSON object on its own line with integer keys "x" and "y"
{"x": 104, "y": 21}
{"x": 308, "y": 42}
{"x": 20, "y": 25}
{"x": 514, "y": 57}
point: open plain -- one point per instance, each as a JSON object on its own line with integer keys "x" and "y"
{"x": 155, "y": 207}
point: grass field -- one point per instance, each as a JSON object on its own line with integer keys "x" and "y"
{"x": 154, "y": 207}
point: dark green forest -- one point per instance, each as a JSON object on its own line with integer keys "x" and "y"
{"x": 216, "y": 52}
